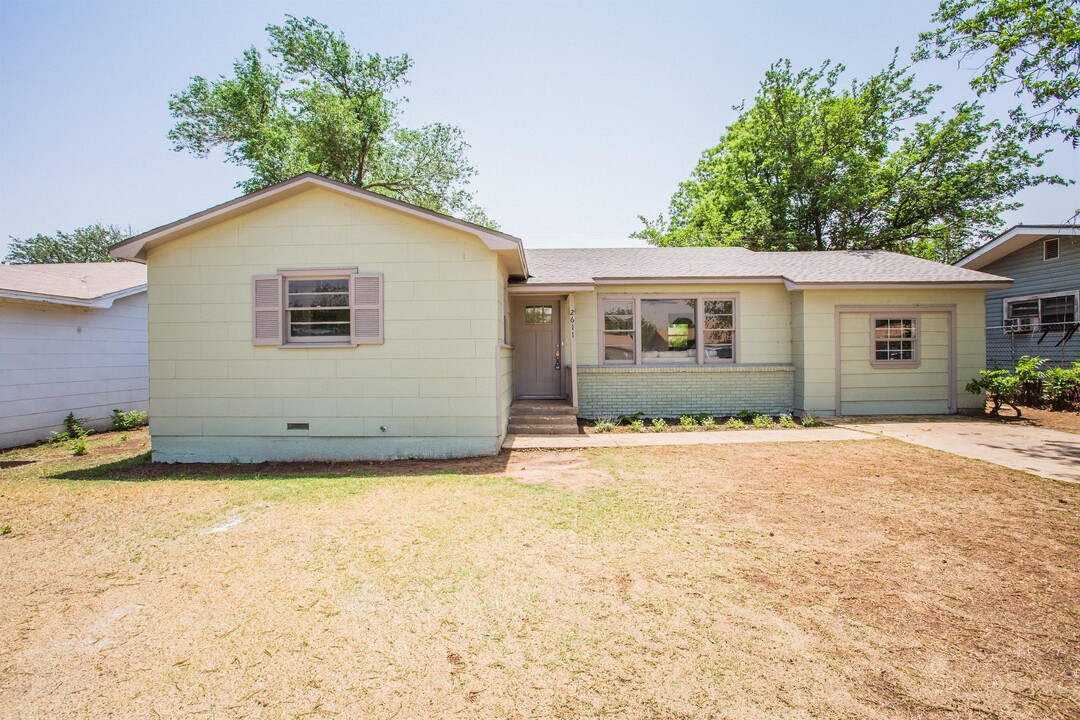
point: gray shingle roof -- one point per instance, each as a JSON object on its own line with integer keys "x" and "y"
{"x": 573, "y": 266}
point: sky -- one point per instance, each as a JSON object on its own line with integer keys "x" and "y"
{"x": 580, "y": 115}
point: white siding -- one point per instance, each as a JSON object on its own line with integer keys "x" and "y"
{"x": 56, "y": 359}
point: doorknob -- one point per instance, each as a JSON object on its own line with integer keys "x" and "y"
{"x": 558, "y": 360}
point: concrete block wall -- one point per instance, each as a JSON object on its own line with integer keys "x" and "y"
{"x": 674, "y": 391}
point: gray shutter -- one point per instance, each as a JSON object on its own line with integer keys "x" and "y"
{"x": 266, "y": 310}
{"x": 367, "y": 308}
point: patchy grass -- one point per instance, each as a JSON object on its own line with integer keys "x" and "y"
{"x": 868, "y": 579}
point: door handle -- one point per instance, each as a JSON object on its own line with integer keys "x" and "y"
{"x": 558, "y": 360}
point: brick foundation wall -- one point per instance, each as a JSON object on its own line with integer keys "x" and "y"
{"x": 674, "y": 391}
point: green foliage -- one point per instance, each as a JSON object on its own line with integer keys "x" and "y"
{"x": 811, "y": 165}
{"x": 318, "y": 105}
{"x": 688, "y": 421}
{"x": 73, "y": 429}
{"x": 78, "y": 446}
{"x": 1060, "y": 384}
{"x": 734, "y": 423}
{"x": 637, "y": 425}
{"x": 5, "y": 529}
{"x": 605, "y": 424}
{"x": 631, "y": 418}
{"x": 1029, "y": 46}
{"x": 762, "y": 421}
{"x": 659, "y": 425}
{"x": 1004, "y": 386}
{"x": 82, "y": 245}
{"x": 809, "y": 420}
{"x": 128, "y": 419}
{"x": 708, "y": 423}
{"x": 747, "y": 416}
{"x": 786, "y": 421}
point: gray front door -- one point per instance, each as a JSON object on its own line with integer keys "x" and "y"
{"x": 537, "y": 369}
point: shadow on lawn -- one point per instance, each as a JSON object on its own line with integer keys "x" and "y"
{"x": 139, "y": 468}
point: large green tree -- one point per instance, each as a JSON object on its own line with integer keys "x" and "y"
{"x": 85, "y": 244}
{"x": 811, "y": 165}
{"x": 1029, "y": 46}
{"x": 318, "y": 105}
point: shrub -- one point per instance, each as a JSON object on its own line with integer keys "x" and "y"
{"x": 708, "y": 423}
{"x": 1001, "y": 385}
{"x": 746, "y": 416}
{"x": 734, "y": 423}
{"x": 637, "y": 425}
{"x": 128, "y": 419}
{"x": 73, "y": 429}
{"x": 1059, "y": 384}
{"x": 809, "y": 420}
{"x": 688, "y": 421}
{"x": 762, "y": 421}
{"x": 786, "y": 421}
{"x": 78, "y": 446}
{"x": 605, "y": 424}
{"x": 629, "y": 419}
{"x": 659, "y": 425}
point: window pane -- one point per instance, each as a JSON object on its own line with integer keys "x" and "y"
{"x": 318, "y": 300}
{"x": 308, "y": 316}
{"x": 538, "y": 314}
{"x": 1024, "y": 308}
{"x": 619, "y": 330}
{"x": 619, "y": 346}
{"x": 1060, "y": 309}
{"x": 668, "y": 332}
{"x": 894, "y": 339}
{"x": 325, "y": 330}
{"x": 322, "y": 285}
{"x": 719, "y": 330}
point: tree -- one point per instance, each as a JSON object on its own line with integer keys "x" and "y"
{"x": 321, "y": 106}
{"x": 85, "y": 244}
{"x": 811, "y": 166}
{"x": 1032, "y": 46}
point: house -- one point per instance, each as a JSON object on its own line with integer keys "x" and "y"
{"x": 72, "y": 339}
{"x": 1038, "y": 314}
{"x": 314, "y": 320}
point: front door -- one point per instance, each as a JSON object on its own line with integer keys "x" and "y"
{"x": 537, "y": 366}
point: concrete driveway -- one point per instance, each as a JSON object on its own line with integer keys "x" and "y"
{"x": 1050, "y": 454}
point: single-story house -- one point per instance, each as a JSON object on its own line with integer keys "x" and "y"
{"x": 72, "y": 340}
{"x": 1038, "y": 314}
{"x": 312, "y": 319}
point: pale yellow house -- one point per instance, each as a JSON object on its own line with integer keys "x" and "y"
{"x": 313, "y": 320}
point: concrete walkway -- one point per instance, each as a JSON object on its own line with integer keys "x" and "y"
{"x": 1047, "y": 453}
{"x": 647, "y": 439}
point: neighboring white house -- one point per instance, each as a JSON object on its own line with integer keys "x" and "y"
{"x": 72, "y": 339}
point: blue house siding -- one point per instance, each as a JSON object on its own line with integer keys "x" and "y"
{"x": 1032, "y": 276}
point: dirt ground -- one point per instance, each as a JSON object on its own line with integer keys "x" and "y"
{"x": 833, "y": 580}
{"x": 1064, "y": 420}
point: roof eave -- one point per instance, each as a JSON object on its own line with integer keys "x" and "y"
{"x": 912, "y": 285}
{"x": 100, "y": 302}
{"x": 1013, "y": 239}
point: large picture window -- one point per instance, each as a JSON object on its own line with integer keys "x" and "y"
{"x": 667, "y": 330}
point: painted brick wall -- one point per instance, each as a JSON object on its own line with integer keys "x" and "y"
{"x": 675, "y": 391}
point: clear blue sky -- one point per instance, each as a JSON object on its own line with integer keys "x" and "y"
{"x": 580, "y": 115}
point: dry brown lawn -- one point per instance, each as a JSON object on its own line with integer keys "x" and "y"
{"x": 832, "y": 580}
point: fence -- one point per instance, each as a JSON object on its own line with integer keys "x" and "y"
{"x": 1059, "y": 343}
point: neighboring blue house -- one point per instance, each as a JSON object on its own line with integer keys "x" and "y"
{"x": 1038, "y": 314}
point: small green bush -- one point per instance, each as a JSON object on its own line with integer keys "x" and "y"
{"x": 708, "y": 423}
{"x": 605, "y": 424}
{"x": 78, "y": 446}
{"x": 1059, "y": 384}
{"x": 747, "y": 416}
{"x": 629, "y": 419}
{"x": 734, "y": 423}
{"x": 637, "y": 425}
{"x": 786, "y": 421}
{"x": 5, "y": 529}
{"x": 128, "y": 419}
{"x": 73, "y": 429}
{"x": 688, "y": 421}
{"x": 762, "y": 421}
{"x": 659, "y": 425}
{"x": 809, "y": 420}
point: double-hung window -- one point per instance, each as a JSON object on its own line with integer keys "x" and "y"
{"x": 317, "y": 307}
{"x": 667, "y": 330}
{"x": 896, "y": 341}
{"x": 1053, "y": 312}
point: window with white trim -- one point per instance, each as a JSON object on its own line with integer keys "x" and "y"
{"x": 317, "y": 307}
{"x": 1028, "y": 314}
{"x": 667, "y": 330}
{"x": 895, "y": 341}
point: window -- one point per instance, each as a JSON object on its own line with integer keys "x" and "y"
{"x": 1047, "y": 311}
{"x": 1051, "y": 249}
{"x": 667, "y": 330}
{"x": 895, "y": 340}
{"x": 538, "y": 314}
{"x": 317, "y": 307}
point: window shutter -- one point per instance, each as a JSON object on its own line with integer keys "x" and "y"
{"x": 266, "y": 310}
{"x": 367, "y": 308}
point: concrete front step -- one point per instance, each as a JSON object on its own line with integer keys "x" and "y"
{"x": 542, "y": 407}
{"x": 527, "y": 428}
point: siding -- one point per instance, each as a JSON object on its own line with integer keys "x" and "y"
{"x": 1032, "y": 276}
{"x": 56, "y": 359}
{"x": 429, "y": 390}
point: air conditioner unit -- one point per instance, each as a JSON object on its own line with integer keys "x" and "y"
{"x": 1020, "y": 325}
